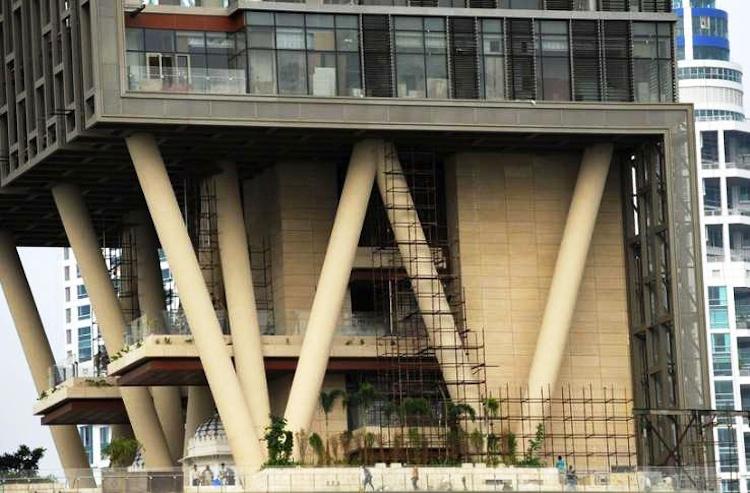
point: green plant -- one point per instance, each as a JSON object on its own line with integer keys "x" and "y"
{"x": 476, "y": 438}
{"x": 121, "y": 451}
{"x": 316, "y": 443}
{"x": 491, "y": 407}
{"x": 23, "y": 463}
{"x": 345, "y": 438}
{"x": 279, "y": 443}
{"x": 531, "y": 456}
{"x": 327, "y": 401}
{"x": 301, "y": 437}
{"x": 42, "y": 395}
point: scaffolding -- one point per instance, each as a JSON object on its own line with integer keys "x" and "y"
{"x": 431, "y": 377}
{"x": 260, "y": 265}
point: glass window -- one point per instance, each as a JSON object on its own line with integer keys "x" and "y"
{"x": 292, "y": 72}
{"x": 706, "y": 25}
{"x": 727, "y": 439}
{"x": 84, "y": 312}
{"x": 262, "y": 71}
{"x": 717, "y": 307}
{"x": 421, "y": 57}
{"x": 190, "y": 41}
{"x": 81, "y": 291}
{"x": 724, "y": 394}
{"x": 721, "y": 355}
{"x": 84, "y": 344}
{"x": 493, "y": 59}
{"x": 68, "y": 315}
{"x": 67, "y": 294}
{"x": 103, "y": 441}
{"x": 652, "y": 62}
{"x": 553, "y": 61}
{"x": 160, "y": 40}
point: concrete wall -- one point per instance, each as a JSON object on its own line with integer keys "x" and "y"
{"x": 292, "y": 205}
{"x": 508, "y": 212}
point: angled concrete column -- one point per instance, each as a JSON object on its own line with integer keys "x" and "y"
{"x": 332, "y": 285}
{"x": 39, "y": 357}
{"x": 200, "y": 407}
{"x": 196, "y": 301}
{"x": 109, "y": 316}
{"x": 419, "y": 265}
{"x": 152, "y": 304}
{"x": 240, "y": 295}
{"x": 569, "y": 267}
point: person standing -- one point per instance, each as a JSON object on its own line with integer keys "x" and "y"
{"x": 415, "y": 478}
{"x": 562, "y": 468}
{"x": 367, "y": 479}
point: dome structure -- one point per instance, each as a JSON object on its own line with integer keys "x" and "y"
{"x": 208, "y": 460}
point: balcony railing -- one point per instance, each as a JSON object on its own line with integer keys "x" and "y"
{"x": 742, "y": 161}
{"x": 739, "y": 211}
{"x": 61, "y": 372}
{"x": 715, "y": 253}
{"x": 213, "y": 81}
{"x": 710, "y": 164}
{"x": 712, "y": 210}
{"x": 742, "y": 316}
{"x": 170, "y": 323}
{"x": 740, "y": 254}
{"x": 134, "y": 4}
{"x": 353, "y": 324}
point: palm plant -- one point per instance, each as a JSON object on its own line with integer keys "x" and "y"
{"x": 316, "y": 443}
{"x": 327, "y": 402}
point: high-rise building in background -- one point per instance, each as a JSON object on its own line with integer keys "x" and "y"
{"x": 85, "y": 355}
{"x": 710, "y": 80}
{"x": 470, "y": 217}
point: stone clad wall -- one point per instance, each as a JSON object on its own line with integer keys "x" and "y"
{"x": 507, "y": 213}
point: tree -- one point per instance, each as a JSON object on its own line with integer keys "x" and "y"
{"x": 121, "y": 451}
{"x": 531, "y": 456}
{"x": 317, "y": 445}
{"x": 279, "y": 442}
{"x": 24, "y": 462}
{"x": 327, "y": 401}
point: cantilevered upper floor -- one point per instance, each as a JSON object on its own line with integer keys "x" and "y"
{"x": 72, "y": 66}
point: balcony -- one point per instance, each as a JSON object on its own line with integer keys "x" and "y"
{"x": 740, "y": 254}
{"x": 742, "y": 316}
{"x": 205, "y": 81}
{"x": 169, "y": 324}
{"x": 80, "y": 401}
{"x": 743, "y": 353}
{"x": 714, "y": 253}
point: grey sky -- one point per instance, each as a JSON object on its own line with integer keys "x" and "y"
{"x": 43, "y": 268}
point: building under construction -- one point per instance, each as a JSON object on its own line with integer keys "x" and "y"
{"x": 416, "y": 208}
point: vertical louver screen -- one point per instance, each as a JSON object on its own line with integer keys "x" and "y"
{"x": 423, "y": 3}
{"x": 464, "y": 70}
{"x": 586, "y": 69}
{"x": 521, "y": 62}
{"x": 617, "y": 61}
{"x": 614, "y": 5}
{"x": 656, "y": 5}
{"x": 558, "y": 4}
{"x": 376, "y": 47}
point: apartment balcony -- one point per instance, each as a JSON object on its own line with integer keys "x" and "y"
{"x": 742, "y": 316}
{"x": 714, "y": 253}
{"x": 740, "y": 254}
{"x": 82, "y": 400}
{"x": 206, "y": 81}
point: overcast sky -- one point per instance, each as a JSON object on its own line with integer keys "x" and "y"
{"x": 17, "y": 425}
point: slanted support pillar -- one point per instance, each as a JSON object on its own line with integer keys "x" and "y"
{"x": 82, "y": 239}
{"x": 332, "y": 285}
{"x": 196, "y": 301}
{"x": 39, "y": 357}
{"x": 152, "y": 304}
{"x": 569, "y": 267}
{"x": 418, "y": 261}
{"x": 200, "y": 407}
{"x": 240, "y": 295}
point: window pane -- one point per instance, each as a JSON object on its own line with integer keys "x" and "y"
{"x": 259, "y": 19}
{"x": 322, "y": 73}
{"x": 494, "y": 77}
{"x": 260, "y": 36}
{"x": 492, "y": 43}
{"x": 159, "y": 40}
{"x": 262, "y": 69}
{"x": 321, "y": 40}
{"x": 410, "y": 71}
{"x": 409, "y": 23}
{"x": 347, "y": 40}
{"x": 319, "y": 20}
{"x": 409, "y": 42}
{"x": 348, "y": 21}
{"x": 290, "y": 38}
{"x": 437, "y": 77}
{"x": 290, "y": 20}
{"x": 349, "y": 78}
{"x": 556, "y": 79}
{"x": 292, "y": 71}
{"x": 190, "y": 41}
{"x": 134, "y": 39}
{"x": 646, "y": 80}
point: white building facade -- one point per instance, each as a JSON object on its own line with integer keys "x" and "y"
{"x": 84, "y": 349}
{"x": 713, "y": 83}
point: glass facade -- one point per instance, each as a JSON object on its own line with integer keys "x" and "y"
{"x": 722, "y": 355}
{"x": 710, "y": 25}
{"x": 84, "y": 344}
{"x": 717, "y": 307}
{"x": 724, "y": 394}
{"x": 322, "y": 55}
{"x": 719, "y": 73}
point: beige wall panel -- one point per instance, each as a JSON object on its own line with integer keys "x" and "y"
{"x": 507, "y": 215}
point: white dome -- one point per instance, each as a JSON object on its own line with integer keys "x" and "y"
{"x": 211, "y": 429}
{"x": 209, "y": 439}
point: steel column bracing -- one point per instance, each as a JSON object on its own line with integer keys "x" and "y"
{"x": 39, "y": 357}
{"x": 82, "y": 238}
{"x": 569, "y": 268}
{"x": 240, "y": 295}
{"x": 196, "y": 301}
{"x": 332, "y": 284}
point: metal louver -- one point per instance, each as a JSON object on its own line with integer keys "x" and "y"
{"x": 617, "y": 61}
{"x": 586, "y": 68}
{"x": 614, "y": 5}
{"x": 558, "y": 4}
{"x": 521, "y": 59}
{"x": 464, "y": 62}
{"x": 376, "y": 51}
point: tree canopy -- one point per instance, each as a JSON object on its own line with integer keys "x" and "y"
{"x": 24, "y": 462}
